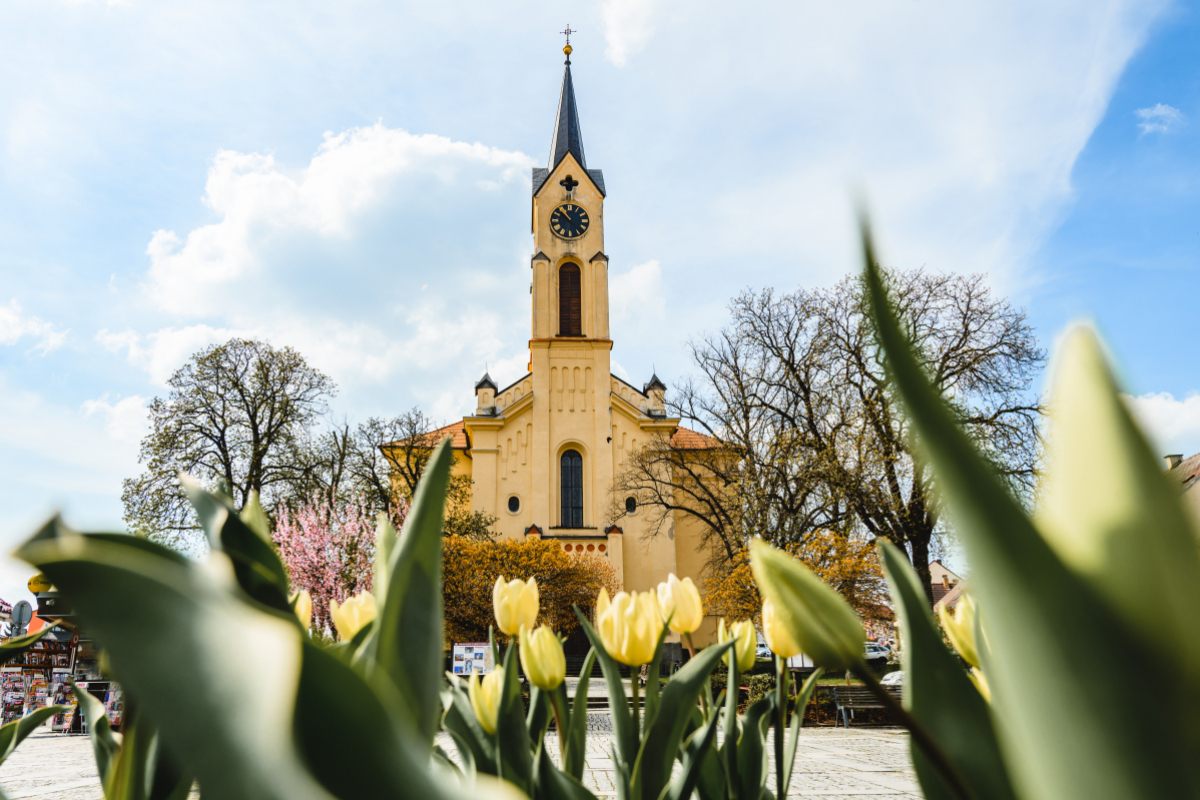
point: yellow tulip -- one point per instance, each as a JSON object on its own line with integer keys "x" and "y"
{"x": 485, "y": 697}
{"x": 778, "y": 639}
{"x": 629, "y": 626}
{"x": 960, "y": 629}
{"x": 744, "y": 642}
{"x": 681, "y": 602}
{"x": 516, "y": 604}
{"x": 980, "y": 680}
{"x": 542, "y": 658}
{"x": 353, "y": 615}
{"x": 302, "y": 606}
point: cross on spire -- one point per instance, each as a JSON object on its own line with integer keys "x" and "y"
{"x": 568, "y": 33}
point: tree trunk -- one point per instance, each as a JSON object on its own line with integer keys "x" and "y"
{"x": 920, "y": 562}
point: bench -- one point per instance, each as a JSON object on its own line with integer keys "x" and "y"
{"x": 849, "y": 698}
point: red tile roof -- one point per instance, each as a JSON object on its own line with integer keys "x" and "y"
{"x": 457, "y": 433}
{"x": 685, "y": 439}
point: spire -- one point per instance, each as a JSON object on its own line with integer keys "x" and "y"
{"x": 567, "y": 136}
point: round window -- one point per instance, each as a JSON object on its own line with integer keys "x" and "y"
{"x": 514, "y": 504}
{"x": 630, "y": 505}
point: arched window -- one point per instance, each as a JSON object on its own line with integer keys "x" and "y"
{"x": 572, "y": 489}
{"x": 570, "y": 317}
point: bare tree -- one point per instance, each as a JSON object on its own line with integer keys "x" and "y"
{"x": 807, "y": 437}
{"x": 238, "y": 414}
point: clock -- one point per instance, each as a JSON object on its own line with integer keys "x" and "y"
{"x": 569, "y": 220}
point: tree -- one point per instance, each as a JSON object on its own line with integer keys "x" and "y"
{"x": 237, "y": 414}
{"x": 329, "y": 550}
{"x": 470, "y": 569}
{"x": 794, "y": 392}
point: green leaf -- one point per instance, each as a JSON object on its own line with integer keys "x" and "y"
{"x": 653, "y": 689}
{"x": 551, "y": 784}
{"x": 166, "y": 625}
{"x": 255, "y": 518}
{"x": 751, "y": 749}
{"x": 409, "y": 641}
{"x": 1076, "y": 735}
{"x": 696, "y": 749}
{"x": 710, "y": 779}
{"x": 105, "y": 744}
{"x": 575, "y": 737}
{"x": 15, "y": 647}
{"x": 460, "y": 721}
{"x": 143, "y": 770}
{"x": 941, "y": 696}
{"x": 256, "y": 564}
{"x": 350, "y": 740}
{"x": 512, "y": 737}
{"x": 802, "y": 698}
{"x": 661, "y": 743}
{"x": 15, "y": 732}
{"x": 539, "y": 715}
{"x": 618, "y": 703}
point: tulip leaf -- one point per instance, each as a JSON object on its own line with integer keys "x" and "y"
{"x": 751, "y": 748}
{"x": 462, "y": 724}
{"x": 710, "y": 779}
{"x": 695, "y": 750}
{"x": 1075, "y": 736}
{"x": 653, "y": 689}
{"x": 409, "y": 637}
{"x": 256, "y": 563}
{"x": 618, "y": 703}
{"x": 15, "y": 732}
{"x": 342, "y": 719}
{"x": 512, "y": 737}
{"x": 105, "y": 745}
{"x": 802, "y": 698}
{"x": 575, "y": 737}
{"x": 538, "y": 718}
{"x": 552, "y": 784}
{"x": 941, "y": 696}
{"x": 661, "y": 743}
{"x": 142, "y": 769}
{"x": 158, "y": 620}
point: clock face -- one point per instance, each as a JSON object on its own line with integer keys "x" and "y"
{"x": 569, "y": 220}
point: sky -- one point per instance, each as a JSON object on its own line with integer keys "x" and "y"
{"x": 352, "y": 180}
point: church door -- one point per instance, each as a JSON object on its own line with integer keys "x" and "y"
{"x": 572, "y": 489}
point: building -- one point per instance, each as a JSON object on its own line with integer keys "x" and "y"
{"x": 543, "y": 451}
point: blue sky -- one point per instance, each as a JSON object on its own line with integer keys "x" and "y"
{"x": 352, "y": 180}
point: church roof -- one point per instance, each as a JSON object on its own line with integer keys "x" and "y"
{"x": 485, "y": 382}
{"x": 655, "y": 383}
{"x": 540, "y": 174}
{"x": 456, "y": 432}
{"x": 567, "y": 136}
{"x": 687, "y": 439}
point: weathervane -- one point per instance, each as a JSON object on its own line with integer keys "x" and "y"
{"x": 567, "y": 49}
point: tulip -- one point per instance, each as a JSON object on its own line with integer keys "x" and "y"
{"x": 744, "y": 642}
{"x": 302, "y": 606}
{"x": 542, "y": 658}
{"x": 353, "y": 615}
{"x": 485, "y": 697}
{"x": 980, "y": 680}
{"x": 819, "y": 620}
{"x": 778, "y": 639}
{"x": 516, "y": 604}
{"x": 680, "y": 603}
{"x": 629, "y": 626}
{"x": 959, "y": 625}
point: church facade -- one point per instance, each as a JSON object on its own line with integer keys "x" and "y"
{"x": 543, "y": 451}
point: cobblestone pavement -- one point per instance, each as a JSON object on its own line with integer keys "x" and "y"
{"x": 855, "y": 763}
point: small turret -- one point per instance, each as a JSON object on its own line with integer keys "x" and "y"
{"x": 485, "y": 396}
{"x": 656, "y": 390}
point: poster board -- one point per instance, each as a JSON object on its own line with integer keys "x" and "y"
{"x": 471, "y": 657}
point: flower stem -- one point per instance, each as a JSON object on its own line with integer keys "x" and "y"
{"x": 560, "y": 719}
{"x": 780, "y": 722}
{"x": 951, "y": 777}
{"x": 633, "y": 683}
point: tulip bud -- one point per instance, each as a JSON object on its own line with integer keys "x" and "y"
{"x": 629, "y": 626}
{"x": 302, "y": 606}
{"x": 680, "y": 603}
{"x": 819, "y": 620}
{"x": 353, "y": 615}
{"x": 744, "y": 643}
{"x": 778, "y": 639}
{"x": 485, "y": 697}
{"x": 542, "y": 658}
{"x": 980, "y": 680}
{"x": 959, "y": 625}
{"x": 516, "y": 604}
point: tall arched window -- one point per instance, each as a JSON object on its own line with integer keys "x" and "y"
{"x": 570, "y": 317}
{"x": 572, "y": 489}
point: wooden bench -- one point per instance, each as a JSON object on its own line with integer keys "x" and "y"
{"x": 849, "y": 698}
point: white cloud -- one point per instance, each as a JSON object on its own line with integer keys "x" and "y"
{"x": 162, "y": 352}
{"x": 352, "y": 174}
{"x": 638, "y": 297}
{"x": 1173, "y": 425}
{"x": 125, "y": 420}
{"x": 1159, "y": 118}
{"x": 14, "y": 326}
{"x": 628, "y": 25}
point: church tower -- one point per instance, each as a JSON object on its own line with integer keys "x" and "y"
{"x": 543, "y": 452}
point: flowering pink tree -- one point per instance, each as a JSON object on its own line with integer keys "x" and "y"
{"x": 329, "y": 550}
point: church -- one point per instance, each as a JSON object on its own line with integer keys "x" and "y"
{"x": 543, "y": 451}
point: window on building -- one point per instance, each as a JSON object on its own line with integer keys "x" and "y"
{"x": 514, "y": 504}
{"x": 572, "y": 489}
{"x": 630, "y": 505}
{"x": 570, "y": 303}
